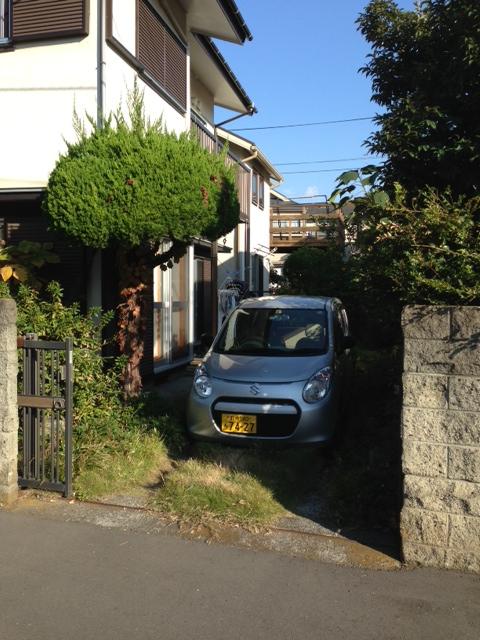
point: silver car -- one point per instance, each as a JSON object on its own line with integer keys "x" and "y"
{"x": 277, "y": 370}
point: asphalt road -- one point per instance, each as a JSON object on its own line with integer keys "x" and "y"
{"x": 79, "y": 581}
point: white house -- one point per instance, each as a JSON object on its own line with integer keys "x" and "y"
{"x": 57, "y": 56}
{"x": 251, "y": 241}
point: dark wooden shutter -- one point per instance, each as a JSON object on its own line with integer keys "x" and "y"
{"x": 162, "y": 54}
{"x": 43, "y": 19}
{"x": 175, "y": 69}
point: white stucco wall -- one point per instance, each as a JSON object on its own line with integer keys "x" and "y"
{"x": 119, "y": 81}
{"x": 260, "y": 237}
{"x": 227, "y": 263}
{"x": 202, "y": 99}
{"x": 41, "y": 84}
{"x": 119, "y": 77}
{"x": 124, "y": 14}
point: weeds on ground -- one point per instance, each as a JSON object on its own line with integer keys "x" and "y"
{"x": 127, "y": 471}
{"x": 115, "y": 444}
{"x": 199, "y": 490}
{"x": 132, "y": 452}
{"x": 247, "y": 486}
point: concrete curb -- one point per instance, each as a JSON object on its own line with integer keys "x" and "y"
{"x": 330, "y": 548}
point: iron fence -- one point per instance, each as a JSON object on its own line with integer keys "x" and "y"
{"x": 45, "y": 414}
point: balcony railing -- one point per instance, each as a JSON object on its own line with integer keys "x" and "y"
{"x": 296, "y": 226}
{"x": 207, "y": 141}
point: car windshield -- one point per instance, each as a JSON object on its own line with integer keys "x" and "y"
{"x": 274, "y": 332}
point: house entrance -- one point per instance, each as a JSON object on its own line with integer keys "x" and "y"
{"x": 171, "y": 314}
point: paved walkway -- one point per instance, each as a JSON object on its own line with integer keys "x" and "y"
{"x": 109, "y": 579}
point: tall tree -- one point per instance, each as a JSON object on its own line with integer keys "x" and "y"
{"x": 132, "y": 186}
{"x": 425, "y": 72}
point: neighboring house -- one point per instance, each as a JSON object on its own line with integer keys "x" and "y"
{"x": 250, "y": 256}
{"x": 294, "y": 225}
{"x": 57, "y": 56}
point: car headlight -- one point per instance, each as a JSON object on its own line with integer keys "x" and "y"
{"x": 202, "y": 383}
{"x": 317, "y": 387}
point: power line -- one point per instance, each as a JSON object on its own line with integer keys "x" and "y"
{"x": 291, "y": 173}
{"x": 284, "y": 164}
{"x": 302, "y": 124}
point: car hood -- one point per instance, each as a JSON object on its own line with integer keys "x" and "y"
{"x": 277, "y": 369}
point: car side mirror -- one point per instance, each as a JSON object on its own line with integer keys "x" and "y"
{"x": 348, "y": 342}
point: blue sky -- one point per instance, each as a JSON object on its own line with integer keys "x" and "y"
{"x": 302, "y": 66}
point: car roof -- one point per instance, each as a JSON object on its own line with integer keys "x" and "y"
{"x": 287, "y": 302}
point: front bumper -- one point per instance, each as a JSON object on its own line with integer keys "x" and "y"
{"x": 282, "y": 414}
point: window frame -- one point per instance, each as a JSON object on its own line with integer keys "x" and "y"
{"x": 133, "y": 59}
{"x": 148, "y": 70}
{"x": 6, "y": 15}
{"x": 261, "y": 192}
{"x": 255, "y": 177}
{"x": 258, "y": 190}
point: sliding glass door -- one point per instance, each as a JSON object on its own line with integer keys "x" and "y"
{"x": 171, "y": 314}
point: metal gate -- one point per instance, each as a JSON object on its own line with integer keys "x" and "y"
{"x": 45, "y": 414}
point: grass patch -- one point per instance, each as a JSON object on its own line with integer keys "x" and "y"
{"x": 198, "y": 490}
{"x": 289, "y": 473}
{"x": 128, "y": 471}
{"x": 129, "y": 450}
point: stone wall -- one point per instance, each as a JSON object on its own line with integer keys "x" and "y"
{"x": 440, "y": 519}
{"x": 8, "y": 402}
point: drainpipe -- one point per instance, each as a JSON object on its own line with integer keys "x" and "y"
{"x": 94, "y": 285}
{"x": 100, "y": 62}
{"x": 254, "y": 151}
{"x": 251, "y": 111}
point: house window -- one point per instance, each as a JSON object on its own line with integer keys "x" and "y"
{"x": 29, "y": 20}
{"x": 5, "y": 14}
{"x": 261, "y": 192}
{"x": 255, "y": 177}
{"x": 162, "y": 54}
{"x": 3, "y": 230}
{"x": 258, "y": 190}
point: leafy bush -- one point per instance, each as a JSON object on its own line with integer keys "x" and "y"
{"x": 426, "y": 250}
{"x": 421, "y": 250}
{"x": 107, "y": 433}
{"x": 134, "y": 183}
{"x": 313, "y": 271}
{"x": 19, "y": 262}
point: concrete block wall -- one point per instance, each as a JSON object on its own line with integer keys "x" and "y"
{"x": 440, "y": 519}
{"x": 8, "y": 402}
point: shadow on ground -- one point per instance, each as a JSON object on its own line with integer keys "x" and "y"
{"x": 352, "y": 490}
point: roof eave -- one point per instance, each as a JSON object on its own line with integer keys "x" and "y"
{"x": 249, "y": 145}
{"x": 225, "y": 69}
{"x": 236, "y": 19}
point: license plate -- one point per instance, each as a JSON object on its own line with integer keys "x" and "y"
{"x": 234, "y": 423}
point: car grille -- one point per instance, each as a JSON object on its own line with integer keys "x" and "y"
{"x": 268, "y": 425}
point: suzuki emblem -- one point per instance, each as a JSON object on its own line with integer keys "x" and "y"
{"x": 255, "y": 389}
